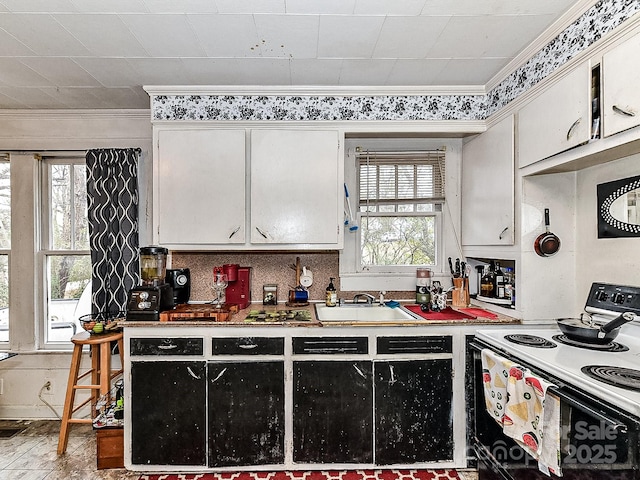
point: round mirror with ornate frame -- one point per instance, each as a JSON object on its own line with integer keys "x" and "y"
{"x": 619, "y": 208}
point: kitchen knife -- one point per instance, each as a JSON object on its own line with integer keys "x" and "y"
{"x": 457, "y": 274}
{"x": 451, "y": 266}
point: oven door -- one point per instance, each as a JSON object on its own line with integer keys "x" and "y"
{"x": 596, "y": 441}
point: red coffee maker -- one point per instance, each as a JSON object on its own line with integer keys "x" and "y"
{"x": 239, "y": 290}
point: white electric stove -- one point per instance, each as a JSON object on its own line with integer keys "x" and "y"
{"x": 616, "y": 365}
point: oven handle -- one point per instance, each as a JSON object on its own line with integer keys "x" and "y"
{"x": 484, "y": 456}
{"x": 615, "y": 424}
{"x": 555, "y": 390}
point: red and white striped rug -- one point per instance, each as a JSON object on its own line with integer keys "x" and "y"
{"x": 312, "y": 475}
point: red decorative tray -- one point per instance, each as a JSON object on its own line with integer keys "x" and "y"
{"x": 446, "y": 314}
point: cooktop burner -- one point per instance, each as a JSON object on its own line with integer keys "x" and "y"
{"x": 616, "y": 376}
{"x": 601, "y": 347}
{"x": 530, "y": 340}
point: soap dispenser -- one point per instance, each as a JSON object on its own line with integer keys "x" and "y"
{"x": 332, "y": 296}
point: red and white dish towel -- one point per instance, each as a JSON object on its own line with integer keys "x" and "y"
{"x": 519, "y": 402}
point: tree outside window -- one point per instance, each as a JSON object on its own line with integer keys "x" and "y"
{"x": 68, "y": 264}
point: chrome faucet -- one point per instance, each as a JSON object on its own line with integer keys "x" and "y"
{"x": 369, "y": 298}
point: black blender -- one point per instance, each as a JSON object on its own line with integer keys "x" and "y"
{"x": 153, "y": 295}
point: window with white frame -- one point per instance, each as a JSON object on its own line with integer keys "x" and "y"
{"x": 401, "y": 195}
{"x": 65, "y": 247}
{"x": 5, "y": 246}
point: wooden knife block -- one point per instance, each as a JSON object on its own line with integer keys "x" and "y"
{"x": 460, "y": 293}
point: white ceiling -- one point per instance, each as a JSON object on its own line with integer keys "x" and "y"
{"x": 99, "y": 53}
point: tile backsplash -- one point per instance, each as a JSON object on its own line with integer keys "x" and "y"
{"x": 267, "y": 268}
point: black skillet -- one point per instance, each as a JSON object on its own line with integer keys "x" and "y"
{"x": 594, "y": 332}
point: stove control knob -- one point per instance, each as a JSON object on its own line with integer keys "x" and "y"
{"x": 144, "y": 295}
{"x": 601, "y": 295}
{"x": 618, "y": 298}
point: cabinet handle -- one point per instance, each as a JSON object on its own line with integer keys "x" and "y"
{"x": 392, "y": 375}
{"x": 167, "y": 347}
{"x": 360, "y": 372}
{"x": 234, "y": 232}
{"x": 261, "y": 233}
{"x": 502, "y": 232}
{"x": 219, "y": 375}
{"x": 191, "y": 372}
{"x": 621, "y": 111}
{"x": 573, "y": 127}
{"x": 248, "y": 346}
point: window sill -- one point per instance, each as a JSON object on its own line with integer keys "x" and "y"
{"x": 390, "y": 282}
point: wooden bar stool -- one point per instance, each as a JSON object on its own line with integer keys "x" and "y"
{"x": 101, "y": 376}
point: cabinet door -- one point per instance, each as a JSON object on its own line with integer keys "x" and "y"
{"x": 295, "y": 187}
{"x": 488, "y": 186}
{"x": 621, "y": 95}
{"x": 168, "y": 414}
{"x": 414, "y": 418}
{"x": 200, "y": 187}
{"x": 332, "y": 412}
{"x": 246, "y": 413}
{"x": 557, "y": 120}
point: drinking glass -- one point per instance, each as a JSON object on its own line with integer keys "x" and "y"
{"x": 220, "y": 282}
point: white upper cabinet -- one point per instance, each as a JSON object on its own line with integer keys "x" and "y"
{"x": 200, "y": 195}
{"x": 621, "y": 87}
{"x": 296, "y": 186}
{"x": 556, "y": 120}
{"x": 488, "y": 188}
{"x": 199, "y": 187}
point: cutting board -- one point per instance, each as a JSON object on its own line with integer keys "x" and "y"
{"x": 199, "y": 312}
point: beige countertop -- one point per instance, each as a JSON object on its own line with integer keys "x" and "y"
{"x": 241, "y": 319}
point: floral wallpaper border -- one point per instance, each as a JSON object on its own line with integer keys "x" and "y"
{"x": 595, "y": 23}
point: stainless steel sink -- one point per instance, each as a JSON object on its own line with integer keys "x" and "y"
{"x": 354, "y": 312}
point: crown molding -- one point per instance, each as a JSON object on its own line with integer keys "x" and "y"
{"x": 314, "y": 90}
{"x": 448, "y": 128}
{"x": 75, "y": 113}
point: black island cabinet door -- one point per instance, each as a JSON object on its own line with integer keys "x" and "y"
{"x": 246, "y": 413}
{"x": 333, "y": 412}
{"x": 414, "y": 421}
{"x": 168, "y": 414}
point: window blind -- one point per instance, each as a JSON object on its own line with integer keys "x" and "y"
{"x": 400, "y": 178}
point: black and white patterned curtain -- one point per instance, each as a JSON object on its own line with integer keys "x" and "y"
{"x": 112, "y": 193}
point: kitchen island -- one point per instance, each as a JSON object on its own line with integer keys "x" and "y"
{"x": 256, "y": 395}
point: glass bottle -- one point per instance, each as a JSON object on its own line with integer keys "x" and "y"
{"x": 508, "y": 283}
{"x": 487, "y": 286}
{"x": 498, "y": 282}
{"x": 331, "y": 295}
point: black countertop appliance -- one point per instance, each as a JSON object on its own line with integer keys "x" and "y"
{"x": 180, "y": 281}
{"x": 154, "y": 294}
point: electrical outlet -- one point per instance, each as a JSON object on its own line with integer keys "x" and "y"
{"x": 47, "y": 388}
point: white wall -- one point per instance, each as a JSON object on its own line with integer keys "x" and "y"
{"x": 38, "y": 131}
{"x": 614, "y": 260}
{"x": 558, "y": 286}
{"x": 545, "y": 289}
